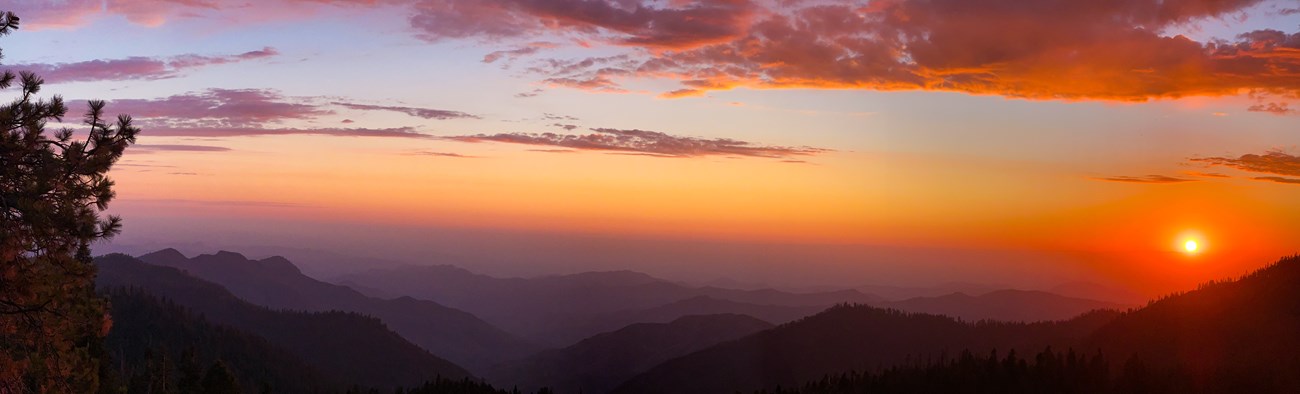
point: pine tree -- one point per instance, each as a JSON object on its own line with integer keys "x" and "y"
{"x": 52, "y": 190}
{"x": 219, "y": 380}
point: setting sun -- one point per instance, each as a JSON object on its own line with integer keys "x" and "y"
{"x": 1190, "y": 246}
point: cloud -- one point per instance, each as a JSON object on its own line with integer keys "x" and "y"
{"x": 1273, "y": 108}
{"x": 1153, "y": 179}
{"x": 135, "y": 68}
{"x": 147, "y": 148}
{"x": 198, "y": 131}
{"x": 530, "y": 93}
{"x": 1052, "y": 49}
{"x": 551, "y": 116}
{"x": 224, "y": 203}
{"x": 678, "y": 24}
{"x": 439, "y": 154}
{"x": 426, "y": 113}
{"x": 644, "y": 142}
{"x": 1206, "y": 174}
{"x": 1273, "y": 162}
{"x": 1047, "y": 49}
{"x": 1278, "y": 179}
{"x": 218, "y": 108}
{"x": 512, "y": 54}
{"x": 568, "y": 127}
{"x": 68, "y": 14}
{"x": 255, "y": 112}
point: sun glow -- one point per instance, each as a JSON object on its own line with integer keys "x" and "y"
{"x": 1190, "y": 246}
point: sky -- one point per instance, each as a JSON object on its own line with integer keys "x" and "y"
{"x": 799, "y": 142}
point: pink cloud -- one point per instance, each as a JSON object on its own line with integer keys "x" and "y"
{"x": 135, "y": 68}
{"x": 676, "y": 25}
{"x": 218, "y": 107}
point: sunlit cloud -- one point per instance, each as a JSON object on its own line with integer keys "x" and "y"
{"x": 1077, "y": 50}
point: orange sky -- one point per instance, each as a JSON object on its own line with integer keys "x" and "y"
{"x": 1083, "y": 141}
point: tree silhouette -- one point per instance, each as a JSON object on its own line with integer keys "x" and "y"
{"x": 52, "y": 189}
{"x": 219, "y": 380}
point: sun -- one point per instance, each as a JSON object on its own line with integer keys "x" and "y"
{"x": 1190, "y": 246}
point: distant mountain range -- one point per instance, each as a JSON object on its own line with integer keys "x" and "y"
{"x": 599, "y": 363}
{"x": 1004, "y": 305}
{"x": 345, "y": 347}
{"x": 560, "y": 310}
{"x": 277, "y": 283}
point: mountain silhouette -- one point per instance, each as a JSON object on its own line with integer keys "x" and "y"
{"x": 1225, "y": 336}
{"x": 149, "y": 332}
{"x": 277, "y": 283}
{"x": 846, "y": 338}
{"x": 553, "y": 309}
{"x": 349, "y": 347}
{"x": 599, "y": 363}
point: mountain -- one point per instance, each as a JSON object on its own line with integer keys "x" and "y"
{"x": 545, "y": 309}
{"x": 343, "y": 346}
{"x": 1004, "y": 305}
{"x": 599, "y": 363}
{"x": 276, "y": 283}
{"x": 152, "y": 338}
{"x": 699, "y": 305}
{"x": 846, "y": 338}
{"x": 1229, "y": 336}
